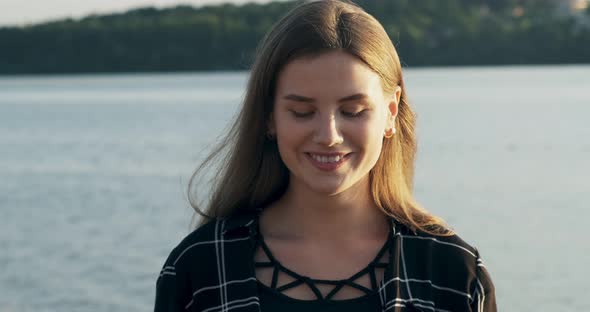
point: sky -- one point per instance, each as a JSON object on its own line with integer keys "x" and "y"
{"x": 23, "y": 12}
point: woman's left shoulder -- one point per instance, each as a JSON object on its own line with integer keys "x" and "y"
{"x": 448, "y": 246}
{"x": 445, "y": 257}
{"x": 452, "y": 267}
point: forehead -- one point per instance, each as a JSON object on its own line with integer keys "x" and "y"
{"x": 328, "y": 75}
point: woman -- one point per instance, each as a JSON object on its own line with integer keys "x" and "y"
{"x": 313, "y": 206}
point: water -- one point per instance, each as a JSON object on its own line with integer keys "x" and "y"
{"x": 93, "y": 174}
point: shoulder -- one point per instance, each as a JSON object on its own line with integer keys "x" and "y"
{"x": 192, "y": 249}
{"x": 184, "y": 265}
{"x": 448, "y": 263}
{"x": 199, "y": 247}
{"x": 214, "y": 255}
{"x": 450, "y": 247}
{"x": 447, "y": 259}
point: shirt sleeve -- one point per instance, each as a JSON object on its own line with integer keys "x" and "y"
{"x": 173, "y": 292}
{"x": 484, "y": 294}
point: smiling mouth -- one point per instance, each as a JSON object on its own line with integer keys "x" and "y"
{"x": 328, "y": 162}
{"x": 327, "y": 158}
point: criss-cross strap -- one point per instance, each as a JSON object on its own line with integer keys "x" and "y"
{"x": 312, "y": 283}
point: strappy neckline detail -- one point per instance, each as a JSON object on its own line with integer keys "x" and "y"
{"x": 277, "y": 267}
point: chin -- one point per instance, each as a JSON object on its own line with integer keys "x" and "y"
{"x": 329, "y": 188}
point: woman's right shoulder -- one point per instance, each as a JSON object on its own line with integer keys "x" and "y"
{"x": 199, "y": 245}
{"x": 188, "y": 262}
{"x": 194, "y": 245}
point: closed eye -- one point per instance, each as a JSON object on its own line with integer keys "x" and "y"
{"x": 354, "y": 114}
{"x": 301, "y": 114}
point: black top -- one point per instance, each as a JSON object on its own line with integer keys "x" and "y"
{"x": 271, "y": 300}
{"x": 272, "y": 297}
{"x": 213, "y": 270}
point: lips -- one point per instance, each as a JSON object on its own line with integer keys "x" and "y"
{"x": 327, "y": 161}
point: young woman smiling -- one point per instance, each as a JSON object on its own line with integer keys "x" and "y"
{"x": 312, "y": 207}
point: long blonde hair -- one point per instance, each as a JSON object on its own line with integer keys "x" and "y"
{"x": 249, "y": 172}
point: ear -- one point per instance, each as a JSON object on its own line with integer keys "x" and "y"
{"x": 393, "y": 106}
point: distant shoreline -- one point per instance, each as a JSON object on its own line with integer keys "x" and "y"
{"x": 224, "y": 37}
{"x": 225, "y": 72}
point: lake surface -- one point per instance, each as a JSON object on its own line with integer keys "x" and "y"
{"x": 94, "y": 169}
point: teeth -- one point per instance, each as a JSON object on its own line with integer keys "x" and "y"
{"x": 327, "y": 159}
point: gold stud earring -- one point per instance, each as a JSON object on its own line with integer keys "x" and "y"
{"x": 389, "y": 133}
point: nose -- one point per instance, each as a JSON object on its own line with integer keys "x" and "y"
{"x": 327, "y": 132}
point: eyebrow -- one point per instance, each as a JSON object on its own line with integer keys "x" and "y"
{"x": 301, "y": 98}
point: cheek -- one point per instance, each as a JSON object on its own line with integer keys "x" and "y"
{"x": 290, "y": 138}
{"x": 371, "y": 138}
{"x": 289, "y": 133}
{"x": 369, "y": 131}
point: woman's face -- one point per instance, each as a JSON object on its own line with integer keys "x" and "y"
{"x": 329, "y": 118}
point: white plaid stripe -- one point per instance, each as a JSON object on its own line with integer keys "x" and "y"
{"x": 234, "y": 304}
{"x": 216, "y": 241}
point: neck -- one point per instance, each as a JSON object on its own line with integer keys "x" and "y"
{"x": 302, "y": 214}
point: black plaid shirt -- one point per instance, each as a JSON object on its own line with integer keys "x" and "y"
{"x": 212, "y": 270}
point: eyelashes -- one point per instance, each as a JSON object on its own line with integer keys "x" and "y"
{"x": 354, "y": 114}
{"x": 301, "y": 115}
{"x": 304, "y": 115}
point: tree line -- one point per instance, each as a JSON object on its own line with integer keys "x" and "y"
{"x": 224, "y": 37}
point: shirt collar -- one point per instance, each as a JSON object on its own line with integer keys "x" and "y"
{"x": 241, "y": 224}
